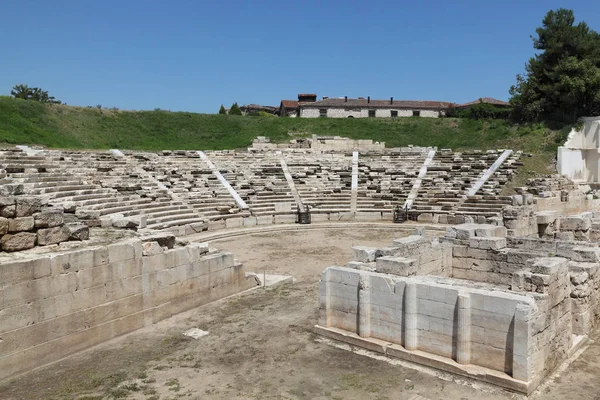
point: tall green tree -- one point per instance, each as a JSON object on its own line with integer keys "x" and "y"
{"x": 235, "y": 109}
{"x": 562, "y": 81}
{"x": 222, "y": 110}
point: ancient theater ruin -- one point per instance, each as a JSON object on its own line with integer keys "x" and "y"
{"x": 501, "y": 287}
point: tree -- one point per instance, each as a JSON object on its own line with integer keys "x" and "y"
{"x": 562, "y": 82}
{"x": 235, "y": 109}
{"x": 222, "y": 110}
{"x": 26, "y": 93}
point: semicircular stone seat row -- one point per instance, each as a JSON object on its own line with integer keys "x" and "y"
{"x": 182, "y": 192}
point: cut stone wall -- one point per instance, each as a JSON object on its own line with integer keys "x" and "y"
{"x": 517, "y": 307}
{"x": 57, "y": 304}
{"x": 27, "y": 222}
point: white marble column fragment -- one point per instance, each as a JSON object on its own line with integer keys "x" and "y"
{"x": 326, "y": 318}
{"x": 523, "y": 362}
{"x": 463, "y": 342}
{"x": 411, "y": 333}
{"x": 364, "y": 306}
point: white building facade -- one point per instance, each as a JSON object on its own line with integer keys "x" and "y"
{"x": 367, "y": 108}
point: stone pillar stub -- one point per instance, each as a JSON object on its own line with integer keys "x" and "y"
{"x": 327, "y": 298}
{"x": 463, "y": 342}
{"x": 364, "y": 306}
{"x": 411, "y": 334}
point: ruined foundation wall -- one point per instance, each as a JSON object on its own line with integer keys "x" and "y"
{"x": 518, "y": 307}
{"x": 57, "y": 304}
{"x": 424, "y": 313}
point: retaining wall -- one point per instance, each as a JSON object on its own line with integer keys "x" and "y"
{"x": 57, "y": 304}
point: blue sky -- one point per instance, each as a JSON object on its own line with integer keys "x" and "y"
{"x": 196, "y": 55}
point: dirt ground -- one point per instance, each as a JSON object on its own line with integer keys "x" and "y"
{"x": 261, "y": 345}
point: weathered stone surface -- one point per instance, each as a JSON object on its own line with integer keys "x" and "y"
{"x": 87, "y": 214}
{"x": 69, "y": 207}
{"x": 27, "y": 206}
{"x": 575, "y": 224}
{"x": 9, "y": 211}
{"x": 3, "y": 225}
{"x": 164, "y": 239}
{"x": 21, "y": 224}
{"x": 7, "y": 201}
{"x": 54, "y": 235}
{"x": 11, "y": 189}
{"x": 126, "y": 223}
{"x": 151, "y": 248}
{"x": 488, "y": 243}
{"x": 78, "y": 231}
{"x": 49, "y": 219}
{"x": 396, "y": 265}
{"x": 364, "y": 254}
{"x": 19, "y": 241}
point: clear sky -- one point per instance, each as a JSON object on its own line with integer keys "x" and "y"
{"x": 196, "y": 55}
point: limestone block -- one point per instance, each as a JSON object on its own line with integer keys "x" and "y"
{"x": 567, "y": 236}
{"x": 13, "y": 189}
{"x": 69, "y": 207}
{"x": 77, "y": 231}
{"x": 164, "y": 239}
{"x": 484, "y": 230}
{"x": 361, "y": 266}
{"x": 8, "y": 211}
{"x": 283, "y": 207}
{"x": 21, "y": 224}
{"x": 7, "y": 201}
{"x": 250, "y": 221}
{"x": 121, "y": 251}
{"x": 3, "y": 225}
{"x": 27, "y": 206}
{"x": 410, "y": 243}
{"x": 400, "y": 266}
{"x": 487, "y": 243}
{"x": 151, "y": 248}
{"x": 364, "y": 254}
{"x": 462, "y": 231}
{"x": 54, "y": 235}
{"x": 367, "y": 216}
{"x": 548, "y": 265}
{"x": 87, "y": 214}
{"x": 133, "y": 223}
{"x": 264, "y": 220}
{"x": 285, "y": 219}
{"x": 572, "y": 223}
{"x": 579, "y": 253}
{"x": 48, "y": 219}
{"x": 19, "y": 241}
{"x": 546, "y": 217}
{"x": 234, "y": 222}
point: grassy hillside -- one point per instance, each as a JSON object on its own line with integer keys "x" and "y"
{"x": 29, "y": 122}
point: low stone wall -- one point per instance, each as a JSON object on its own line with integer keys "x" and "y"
{"x": 56, "y": 304}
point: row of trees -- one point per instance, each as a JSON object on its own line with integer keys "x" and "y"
{"x": 562, "y": 81}
{"x": 233, "y": 110}
{"x": 26, "y": 93}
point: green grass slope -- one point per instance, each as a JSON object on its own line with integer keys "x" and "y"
{"x": 59, "y": 126}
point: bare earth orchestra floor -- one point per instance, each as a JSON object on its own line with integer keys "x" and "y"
{"x": 261, "y": 345}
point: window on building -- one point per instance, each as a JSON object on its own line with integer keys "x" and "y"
{"x": 394, "y": 114}
{"x": 371, "y": 113}
{"x": 416, "y": 113}
{"x": 323, "y": 113}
